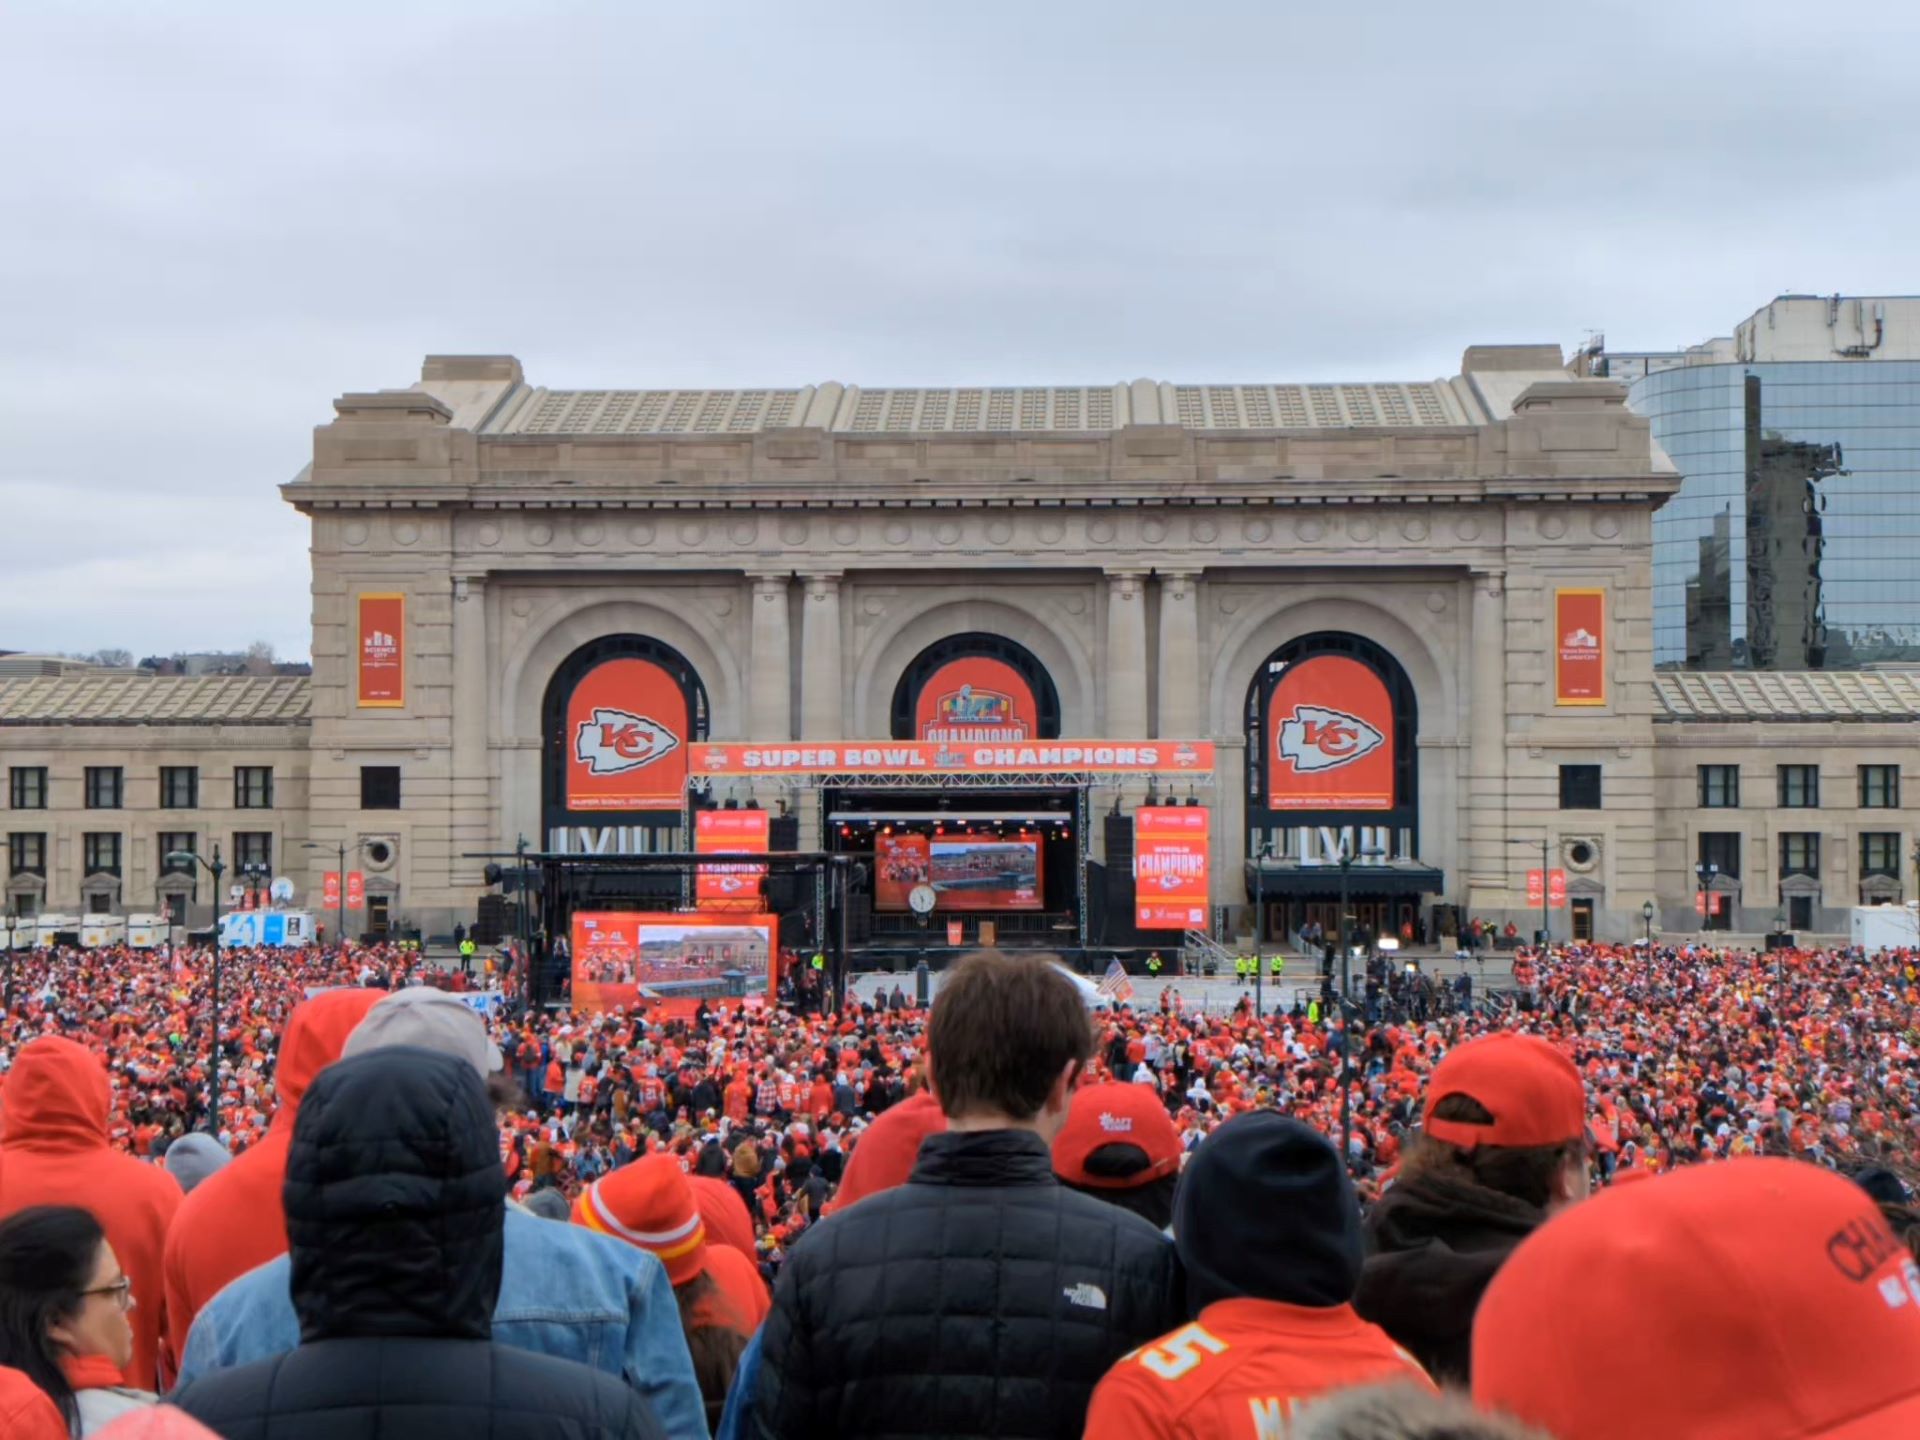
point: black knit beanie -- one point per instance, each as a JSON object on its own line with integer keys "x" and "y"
{"x": 1266, "y": 1212}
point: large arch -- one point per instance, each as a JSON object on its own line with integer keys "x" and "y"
{"x": 902, "y": 635}
{"x": 976, "y": 645}
{"x": 560, "y": 691}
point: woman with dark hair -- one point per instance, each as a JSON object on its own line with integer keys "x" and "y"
{"x": 63, "y": 1314}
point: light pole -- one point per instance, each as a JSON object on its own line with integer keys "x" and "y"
{"x": 340, "y": 849}
{"x": 12, "y": 920}
{"x": 1646, "y": 914}
{"x": 216, "y": 869}
{"x": 1259, "y": 926}
{"x": 1706, "y": 874}
{"x": 1546, "y": 925}
{"x": 1346, "y": 969}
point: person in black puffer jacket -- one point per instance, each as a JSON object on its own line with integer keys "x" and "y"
{"x": 1502, "y": 1147}
{"x": 394, "y": 1200}
{"x": 982, "y": 1297}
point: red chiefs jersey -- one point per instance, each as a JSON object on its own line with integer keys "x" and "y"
{"x": 1241, "y": 1370}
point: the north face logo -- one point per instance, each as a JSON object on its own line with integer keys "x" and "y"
{"x": 615, "y": 741}
{"x": 1090, "y": 1297}
{"x": 1316, "y": 738}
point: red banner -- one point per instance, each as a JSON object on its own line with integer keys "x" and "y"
{"x": 1580, "y": 647}
{"x": 627, "y": 959}
{"x": 1329, "y": 737}
{"x": 1172, "y": 879}
{"x": 975, "y": 700}
{"x": 956, "y": 932}
{"x": 380, "y": 643}
{"x": 626, "y": 738}
{"x": 356, "y": 890}
{"x": 330, "y": 890}
{"x": 882, "y": 757}
{"x": 1556, "y": 889}
{"x": 732, "y": 886}
{"x": 1706, "y": 902}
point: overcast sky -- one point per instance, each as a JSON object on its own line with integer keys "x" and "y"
{"x": 218, "y": 218}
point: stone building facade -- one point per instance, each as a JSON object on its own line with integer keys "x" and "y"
{"x": 1154, "y": 554}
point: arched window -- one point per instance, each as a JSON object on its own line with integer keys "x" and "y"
{"x": 581, "y": 782}
{"x": 945, "y": 695}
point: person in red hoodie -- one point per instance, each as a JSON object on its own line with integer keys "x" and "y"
{"x": 26, "y": 1413}
{"x": 53, "y": 1151}
{"x": 233, "y": 1220}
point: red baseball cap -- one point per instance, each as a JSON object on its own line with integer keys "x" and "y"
{"x": 1747, "y": 1300}
{"x": 1116, "y": 1114}
{"x": 1532, "y": 1090}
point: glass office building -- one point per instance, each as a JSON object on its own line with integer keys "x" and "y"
{"x": 1794, "y": 543}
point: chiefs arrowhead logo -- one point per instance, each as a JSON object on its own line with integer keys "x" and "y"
{"x": 1315, "y": 738}
{"x": 616, "y": 741}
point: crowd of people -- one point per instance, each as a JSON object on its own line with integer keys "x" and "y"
{"x": 897, "y": 1220}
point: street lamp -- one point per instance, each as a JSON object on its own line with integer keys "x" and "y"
{"x": 1346, "y": 967}
{"x": 1706, "y": 873}
{"x": 216, "y": 869}
{"x": 340, "y": 849}
{"x": 12, "y": 920}
{"x": 1646, "y": 914}
{"x": 1546, "y": 924}
{"x": 1261, "y": 850}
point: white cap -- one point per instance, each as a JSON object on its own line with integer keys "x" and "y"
{"x": 431, "y": 1019}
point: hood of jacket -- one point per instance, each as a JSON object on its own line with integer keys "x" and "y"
{"x": 55, "y": 1098}
{"x": 395, "y": 1200}
{"x": 317, "y": 1030}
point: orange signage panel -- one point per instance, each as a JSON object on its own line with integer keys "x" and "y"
{"x": 1171, "y": 858}
{"x": 975, "y": 699}
{"x": 886, "y": 757}
{"x": 1330, "y": 737}
{"x": 732, "y": 885}
{"x": 626, "y": 738}
{"x": 380, "y": 643}
{"x": 1580, "y": 647}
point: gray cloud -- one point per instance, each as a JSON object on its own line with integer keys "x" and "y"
{"x": 224, "y": 216}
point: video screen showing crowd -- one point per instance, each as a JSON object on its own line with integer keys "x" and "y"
{"x": 405, "y": 1198}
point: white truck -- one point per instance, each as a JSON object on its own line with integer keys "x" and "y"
{"x": 101, "y": 930}
{"x": 1885, "y": 927}
{"x": 52, "y": 927}
{"x": 146, "y": 932}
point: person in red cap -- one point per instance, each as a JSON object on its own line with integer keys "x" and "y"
{"x": 887, "y": 1149}
{"x": 650, "y": 1204}
{"x": 1268, "y": 1230}
{"x": 1502, "y": 1146}
{"x": 54, "y": 1152}
{"x": 1119, "y": 1145}
{"x": 233, "y": 1220}
{"x": 1750, "y": 1300}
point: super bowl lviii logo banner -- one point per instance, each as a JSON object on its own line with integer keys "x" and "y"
{"x": 1580, "y": 647}
{"x": 626, "y": 738}
{"x": 1329, "y": 737}
{"x": 975, "y": 699}
{"x": 380, "y": 645}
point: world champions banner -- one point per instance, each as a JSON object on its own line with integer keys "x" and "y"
{"x": 626, "y": 738}
{"x": 1172, "y": 884}
{"x": 732, "y": 885}
{"x": 1580, "y": 647}
{"x": 380, "y": 645}
{"x": 1329, "y": 737}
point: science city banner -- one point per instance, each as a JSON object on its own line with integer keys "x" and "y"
{"x": 380, "y": 635}
{"x": 626, "y": 738}
{"x": 1329, "y": 737}
{"x": 623, "y": 958}
{"x": 1191, "y": 758}
{"x": 735, "y": 885}
{"x": 1171, "y": 880}
{"x": 1580, "y": 647}
{"x": 975, "y": 699}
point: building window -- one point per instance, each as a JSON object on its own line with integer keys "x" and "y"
{"x": 253, "y": 787}
{"x": 1721, "y": 850}
{"x": 27, "y": 853}
{"x": 1880, "y": 853}
{"x": 1879, "y": 787}
{"x": 105, "y": 784}
{"x": 1799, "y": 787}
{"x": 100, "y": 852}
{"x": 1579, "y": 787}
{"x": 179, "y": 787}
{"x": 27, "y": 787}
{"x": 1799, "y": 852}
{"x": 1719, "y": 787}
{"x": 253, "y": 850}
{"x": 379, "y": 787}
{"x": 184, "y": 841}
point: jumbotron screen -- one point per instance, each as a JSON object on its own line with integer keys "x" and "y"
{"x": 966, "y": 872}
{"x": 622, "y": 958}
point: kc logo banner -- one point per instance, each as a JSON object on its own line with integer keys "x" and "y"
{"x": 1330, "y": 737}
{"x": 626, "y": 738}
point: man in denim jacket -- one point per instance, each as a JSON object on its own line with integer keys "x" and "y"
{"x": 564, "y": 1291}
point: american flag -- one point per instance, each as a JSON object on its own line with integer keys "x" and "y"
{"x": 1115, "y": 985}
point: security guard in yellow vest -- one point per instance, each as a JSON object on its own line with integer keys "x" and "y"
{"x": 1242, "y": 968}
{"x": 1153, "y": 964}
{"x": 1276, "y": 966}
{"x": 819, "y": 961}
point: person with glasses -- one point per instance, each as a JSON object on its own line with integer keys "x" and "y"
{"x": 64, "y": 1303}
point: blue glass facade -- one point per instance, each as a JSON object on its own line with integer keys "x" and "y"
{"x": 1794, "y": 542}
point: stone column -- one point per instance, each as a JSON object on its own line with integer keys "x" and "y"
{"x": 769, "y": 692}
{"x": 1487, "y": 866}
{"x": 1181, "y": 708}
{"x": 822, "y": 703}
{"x": 470, "y": 793}
{"x": 1126, "y": 656}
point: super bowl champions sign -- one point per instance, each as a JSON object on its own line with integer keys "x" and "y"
{"x": 626, "y": 739}
{"x": 1329, "y": 737}
{"x": 975, "y": 698}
